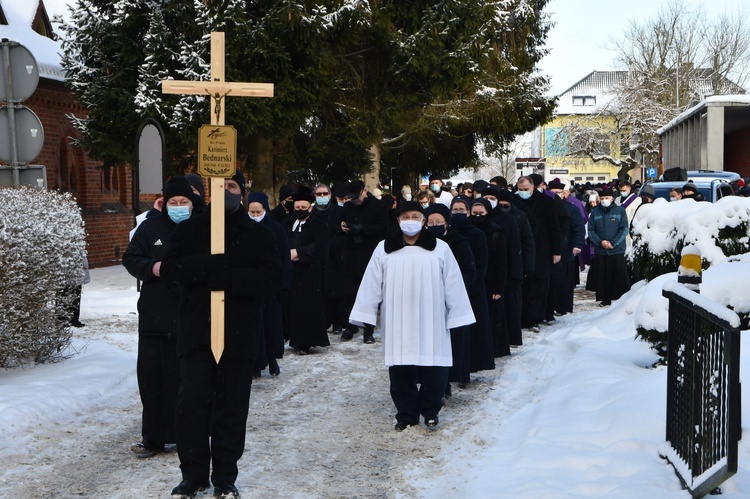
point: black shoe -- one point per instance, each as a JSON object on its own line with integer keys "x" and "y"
{"x": 348, "y": 333}
{"x": 77, "y": 324}
{"x": 273, "y": 367}
{"x": 367, "y": 337}
{"x": 225, "y": 490}
{"x": 142, "y": 450}
{"x": 448, "y": 391}
{"x": 605, "y": 303}
{"x": 170, "y": 448}
{"x": 187, "y": 489}
{"x": 431, "y": 422}
{"x": 402, "y": 426}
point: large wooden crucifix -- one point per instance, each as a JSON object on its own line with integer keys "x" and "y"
{"x": 217, "y": 88}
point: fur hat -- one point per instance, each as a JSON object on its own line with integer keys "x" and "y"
{"x": 304, "y": 194}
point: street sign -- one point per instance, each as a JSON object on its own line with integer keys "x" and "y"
{"x": 32, "y": 175}
{"x": 651, "y": 172}
{"x": 23, "y": 70}
{"x": 29, "y": 135}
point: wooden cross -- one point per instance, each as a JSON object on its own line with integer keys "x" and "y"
{"x": 217, "y": 88}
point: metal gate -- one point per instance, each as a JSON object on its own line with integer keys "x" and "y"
{"x": 703, "y": 390}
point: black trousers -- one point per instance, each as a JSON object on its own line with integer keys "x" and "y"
{"x": 212, "y": 407}
{"x": 535, "y": 288}
{"x": 410, "y": 400}
{"x": 158, "y": 381}
{"x": 513, "y": 311}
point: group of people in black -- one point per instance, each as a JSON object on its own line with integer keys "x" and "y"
{"x": 291, "y": 274}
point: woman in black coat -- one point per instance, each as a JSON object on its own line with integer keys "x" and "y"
{"x": 480, "y": 335}
{"x": 272, "y": 339}
{"x": 308, "y": 240}
{"x": 438, "y": 223}
{"x": 497, "y": 271}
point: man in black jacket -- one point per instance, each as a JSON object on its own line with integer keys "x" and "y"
{"x": 543, "y": 219}
{"x": 364, "y": 222}
{"x": 157, "y": 366}
{"x": 213, "y": 399}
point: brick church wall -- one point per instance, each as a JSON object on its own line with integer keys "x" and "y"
{"x": 105, "y": 196}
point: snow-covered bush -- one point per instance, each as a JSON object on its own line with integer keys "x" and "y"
{"x": 662, "y": 229}
{"x": 42, "y": 245}
{"x": 720, "y": 231}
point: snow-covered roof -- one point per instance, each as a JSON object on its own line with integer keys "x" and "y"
{"x": 714, "y": 100}
{"x": 21, "y": 16}
{"x": 597, "y": 86}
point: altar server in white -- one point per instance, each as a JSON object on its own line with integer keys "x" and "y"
{"x": 416, "y": 281}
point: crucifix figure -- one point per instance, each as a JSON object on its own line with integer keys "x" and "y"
{"x": 217, "y": 88}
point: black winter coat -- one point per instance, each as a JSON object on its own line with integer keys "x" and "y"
{"x": 368, "y": 224}
{"x": 249, "y": 270}
{"x": 543, "y": 219}
{"x": 513, "y": 249}
{"x": 158, "y": 303}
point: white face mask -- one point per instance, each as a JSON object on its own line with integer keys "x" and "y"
{"x": 425, "y": 205}
{"x": 672, "y": 199}
{"x": 606, "y": 203}
{"x": 493, "y": 203}
{"x": 258, "y": 219}
{"x": 407, "y": 196}
{"x": 410, "y": 227}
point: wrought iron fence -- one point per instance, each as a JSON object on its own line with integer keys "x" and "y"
{"x": 703, "y": 390}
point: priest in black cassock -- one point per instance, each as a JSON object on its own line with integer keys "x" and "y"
{"x": 305, "y": 307}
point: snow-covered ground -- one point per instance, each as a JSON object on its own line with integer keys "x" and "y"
{"x": 575, "y": 412}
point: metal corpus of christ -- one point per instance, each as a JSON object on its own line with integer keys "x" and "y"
{"x": 217, "y": 166}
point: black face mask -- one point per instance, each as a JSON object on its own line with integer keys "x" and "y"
{"x": 289, "y": 205}
{"x": 437, "y": 230}
{"x": 505, "y": 209}
{"x": 231, "y": 201}
{"x": 478, "y": 220}
{"x": 458, "y": 218}
{"x": 301, "y": 214}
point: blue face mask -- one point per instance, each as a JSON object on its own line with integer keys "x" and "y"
{"x": 524, "y": 194}
{"x": 178, "y": 213}
{"x": 435, "y": 188}
{"x": 624, "y": 194}
{"x": 322, "y": 200}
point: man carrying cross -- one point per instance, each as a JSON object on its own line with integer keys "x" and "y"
{"x": 213, "y": 399}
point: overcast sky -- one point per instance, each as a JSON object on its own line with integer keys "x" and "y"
{"x": 581, "y": 33}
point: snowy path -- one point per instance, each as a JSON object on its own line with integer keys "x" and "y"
{"x": 324, "y": 428}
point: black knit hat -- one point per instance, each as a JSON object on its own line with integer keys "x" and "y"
{"x": 240, "y": 179}
{"x": 505, "y": 195}
{"x": 439, "y": 208}
{"x": 285, "y": 191}
{"x": 491, "y": 191}
{"x": 483, "y": 202}
{"x": 177, "y": 186}
{"x": 538, "y": 179}
{"x": 196, "y": 181}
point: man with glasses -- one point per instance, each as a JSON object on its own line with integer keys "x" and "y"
{"x": 329, "y": 211}
{"x": 415, "y": 281}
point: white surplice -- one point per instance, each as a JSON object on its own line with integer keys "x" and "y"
{"x": 423, "y": 296}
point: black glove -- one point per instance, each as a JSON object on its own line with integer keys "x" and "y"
{"x": 356, "y": 229}
{"x": 218, "y": 263}
{"x": 220, "y": 281}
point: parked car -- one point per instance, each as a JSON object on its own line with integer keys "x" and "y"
{"x": 730, "y": 177}
{"x": 712, "y": 189}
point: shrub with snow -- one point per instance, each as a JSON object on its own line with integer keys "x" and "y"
{"x": 42, "y": 245}
{"x": 720, "y": 231}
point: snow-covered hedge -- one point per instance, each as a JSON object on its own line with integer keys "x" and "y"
{"x": 662, "y": 229}
{"x": 42, "y": 244}
{"x": 720, "y": 231}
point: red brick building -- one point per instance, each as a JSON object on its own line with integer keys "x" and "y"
{"x": 104, "y": 194}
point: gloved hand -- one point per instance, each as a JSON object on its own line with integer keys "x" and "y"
{"x": 356, "y": 229}
{"x": 220, "y": 281}
{"x": 218, "y": 263}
